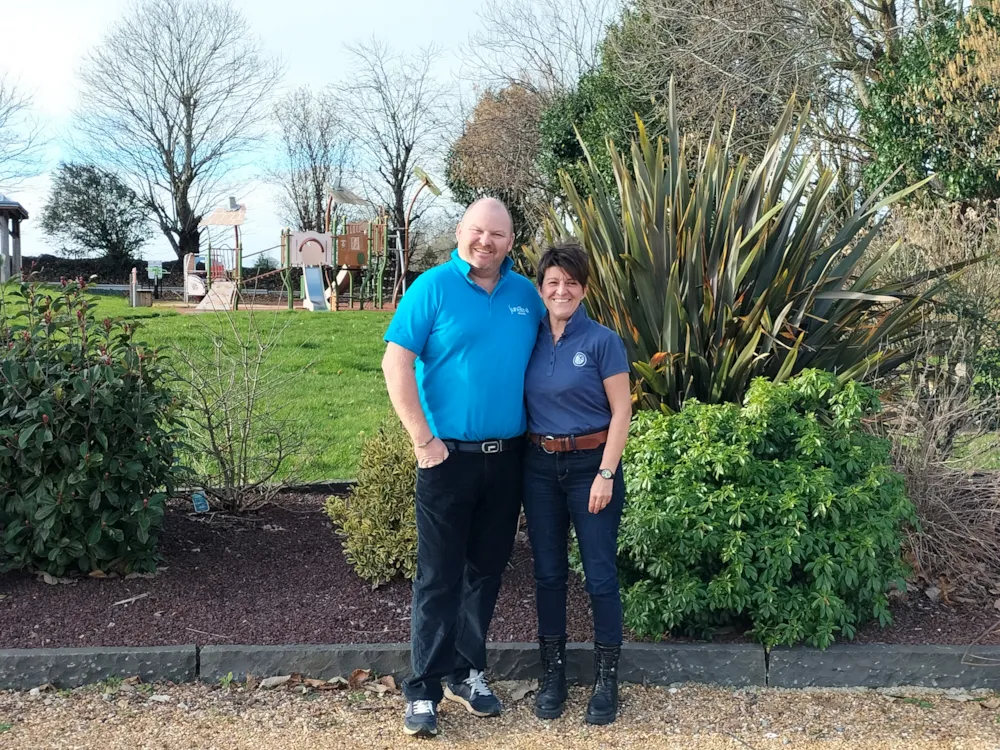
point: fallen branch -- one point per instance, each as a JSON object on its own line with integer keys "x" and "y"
{"x": 213, "y": 635}
{"x": 133, "y": 599}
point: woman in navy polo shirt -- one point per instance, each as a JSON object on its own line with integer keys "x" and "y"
{"x": 579, "y": 407}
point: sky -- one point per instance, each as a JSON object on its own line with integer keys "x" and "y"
{"x": 45, "y": 41}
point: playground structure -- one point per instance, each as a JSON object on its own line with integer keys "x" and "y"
{"x": 350, "y": 261}
{"x": 345, "y": 264}
{"x": 218, "y": 280}
{"x": 339, "y": 267}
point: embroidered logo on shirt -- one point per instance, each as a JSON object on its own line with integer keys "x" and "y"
{"x": 518, "y": 310}
{"x": 579, "y": 359}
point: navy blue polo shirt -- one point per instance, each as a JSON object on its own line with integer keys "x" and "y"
{"x": 564, "y": 385}
{"x": 472, "y": 349}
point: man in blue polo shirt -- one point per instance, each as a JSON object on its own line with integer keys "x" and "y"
{"x": 456, "y": 353}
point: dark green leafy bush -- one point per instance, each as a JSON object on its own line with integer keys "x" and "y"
{"x": 782, "y": 515}
{"x": 378, "y": 519}
{"x": 87, "y": 436}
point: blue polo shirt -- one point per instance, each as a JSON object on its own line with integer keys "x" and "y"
{"x": 564, "y": 385}
{"x": 472, "y": 349}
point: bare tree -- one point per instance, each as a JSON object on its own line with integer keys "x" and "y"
{"x": 176, "y": 95}
{"x": 396, "y": 112}
{"x": 20, "y": 136}
{"x": 316, "y": 153}
{"x": 858, "y": 34}
{"x": 543, "y": 46}
{"x": 749, "y": 54}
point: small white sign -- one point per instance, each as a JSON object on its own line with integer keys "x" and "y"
{"x": 154, "y": 269}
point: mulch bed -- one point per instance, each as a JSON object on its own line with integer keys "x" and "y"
{"x": 280, "y": 577}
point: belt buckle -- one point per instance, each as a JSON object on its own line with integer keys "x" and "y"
{"x": 544, "y": 440}
{"x": 491, "y": 446}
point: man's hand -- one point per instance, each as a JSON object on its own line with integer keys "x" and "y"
{"x": 600, "y": 493}
{"x": 432, "y": 454}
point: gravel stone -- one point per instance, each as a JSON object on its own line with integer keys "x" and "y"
{"x": 693, "y": 717}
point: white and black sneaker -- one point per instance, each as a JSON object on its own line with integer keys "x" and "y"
{"x": 421, "y": 719}
{"x": 474, "y": 694}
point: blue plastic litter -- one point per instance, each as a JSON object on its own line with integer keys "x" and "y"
{"x": 200, "y": 503}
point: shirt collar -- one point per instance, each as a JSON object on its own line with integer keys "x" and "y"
{"x": 465, "y": 268}
{"x": 578, "y": 321}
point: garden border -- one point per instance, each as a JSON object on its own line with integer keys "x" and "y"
{"x": 733, "y": 665}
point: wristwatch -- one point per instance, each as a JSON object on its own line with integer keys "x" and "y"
{"x": 606, "y": 474}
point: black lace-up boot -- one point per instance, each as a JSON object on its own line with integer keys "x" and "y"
{"x": 551, "y": 696}
{"x": 603, "y": 706}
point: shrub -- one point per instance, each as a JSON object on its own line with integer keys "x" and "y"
{"x": 87, "y": 430}
{"x": 714, "y": 271}
{"x": 377, "y": 520}
{"x": 241, "y": 446}
{"x": 782, "y": 514}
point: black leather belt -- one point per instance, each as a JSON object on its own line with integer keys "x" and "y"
{"x": 486, "y": 446}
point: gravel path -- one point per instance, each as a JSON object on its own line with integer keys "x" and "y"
{"x": 201, "y": 717}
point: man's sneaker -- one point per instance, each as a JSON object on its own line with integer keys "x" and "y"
{"x": 421, "y": 719}
{"x": 474, "y": 694}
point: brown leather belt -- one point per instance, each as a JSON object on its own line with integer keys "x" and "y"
{"x": 551, "y": 444}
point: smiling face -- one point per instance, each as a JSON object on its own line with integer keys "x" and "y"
{"x": 561, "y": 293}
{"x": 485, "y": 236}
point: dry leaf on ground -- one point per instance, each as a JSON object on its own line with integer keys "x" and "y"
{"x": 389, "y": 682}
{"x": 523, "y": 689}
{"x": 359, "y": 677}
{"x": 52, "y": 581}
{"x": 273, "y": 682}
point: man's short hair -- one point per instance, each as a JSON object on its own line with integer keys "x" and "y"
{"x": 568, "y": 255}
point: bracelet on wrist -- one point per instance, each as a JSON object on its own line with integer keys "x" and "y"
{"x": 425, "y": 444}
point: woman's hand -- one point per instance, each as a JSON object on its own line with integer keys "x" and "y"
{"x": 600, "y": 493}
{"x": 432, "y": 454}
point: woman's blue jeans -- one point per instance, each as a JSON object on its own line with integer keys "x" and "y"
{"x": 556, "y": 493}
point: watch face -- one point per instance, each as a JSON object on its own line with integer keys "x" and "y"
{"x": 607, "y": 473}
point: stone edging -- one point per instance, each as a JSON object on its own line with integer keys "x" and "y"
{"x": 737, "y": 665}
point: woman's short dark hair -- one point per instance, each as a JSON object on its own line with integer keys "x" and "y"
{"x": 570, "y": 257}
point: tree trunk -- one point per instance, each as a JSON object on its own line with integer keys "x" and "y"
{"x": 188, "y": 241}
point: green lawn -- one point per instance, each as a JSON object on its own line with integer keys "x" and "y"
{"x": 338, "y": 392}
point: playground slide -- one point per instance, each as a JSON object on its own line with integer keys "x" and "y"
{"x": 315, "y": 299}
{"x": 222, "y": 296}
{"x": 343, "y": 279}
{"x": 342, "y": 283}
